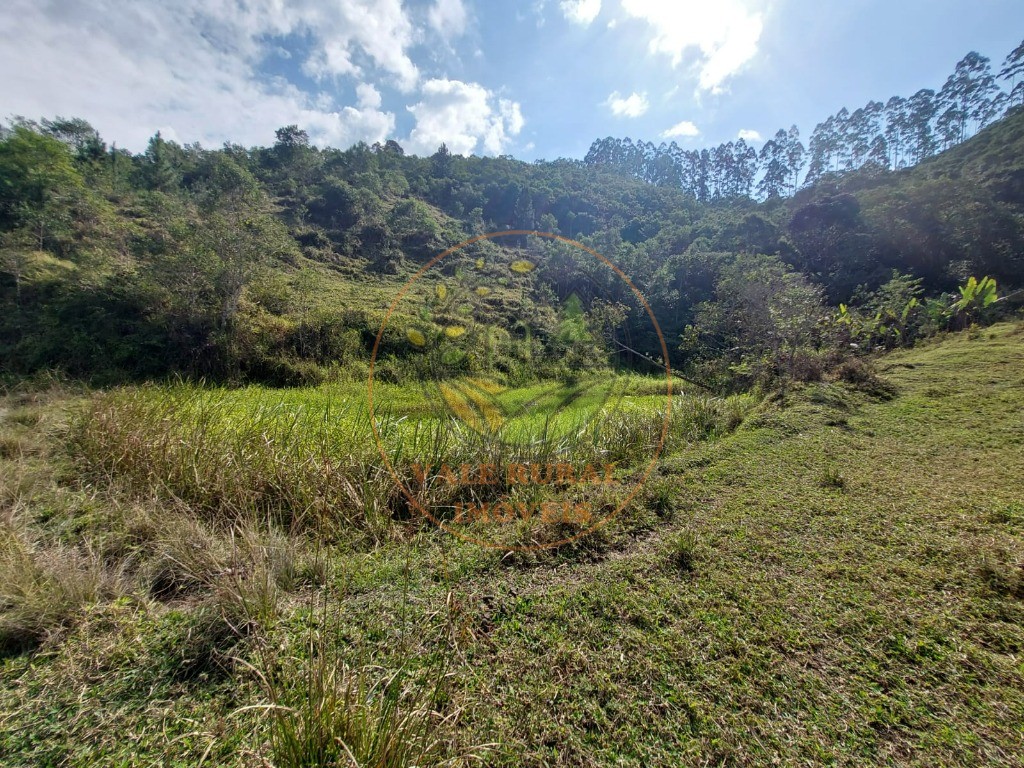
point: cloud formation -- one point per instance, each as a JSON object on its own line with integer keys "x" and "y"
{"x": 684, "y": 129}
{"x": 465, "y": 116}
{"x": 723, "y": 34}
{"x": 364, "y": 122}
{"x": 190, "y": 69}
{"x": 448, "y": 18}
{"x": 633, "y": 105}
{"x": 581, "y": 12}
{"x": 748, "y": 134}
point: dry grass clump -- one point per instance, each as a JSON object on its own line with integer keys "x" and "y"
{"x": 44, "y": 587}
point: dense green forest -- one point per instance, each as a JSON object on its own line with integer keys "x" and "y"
{"x": 276, "y": 264}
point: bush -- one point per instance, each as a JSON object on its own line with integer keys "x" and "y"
{"x": 860, "y": 372}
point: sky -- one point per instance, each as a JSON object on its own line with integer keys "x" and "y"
{"x": 537, "y": 79}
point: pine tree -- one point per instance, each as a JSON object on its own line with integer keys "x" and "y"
{"x": 160, "y": 171}
{"x": 441, "y": 162}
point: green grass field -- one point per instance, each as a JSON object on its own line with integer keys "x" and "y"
{"x": 832, "y": 578}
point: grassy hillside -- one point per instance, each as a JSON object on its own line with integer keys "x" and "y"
{"x": 836, "y": 581}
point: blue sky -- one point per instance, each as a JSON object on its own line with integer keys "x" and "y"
{"x": 534, "y": 79}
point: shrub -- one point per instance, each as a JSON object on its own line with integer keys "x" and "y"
{"x": 832, "y": 478}
{"x": 860, "y": 372}
{"x": 660, "y": 497}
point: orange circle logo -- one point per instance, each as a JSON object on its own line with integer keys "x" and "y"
{"x": 490, "y": 454}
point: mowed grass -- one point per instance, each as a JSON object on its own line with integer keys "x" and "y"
{"x": 851, "y": 596}
{"x": 836, "y": 582}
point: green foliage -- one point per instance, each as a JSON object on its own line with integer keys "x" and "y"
{"x": 897, "y": 314}
{"x": 761, "y": 317}
{"x": 41, "y": 190}
{"x": 275, "y": 264}
{"x": 683, "y": 548}
{"x": 975, "y": 297}
{"x": 887, "y": 317}
{"x": 328, "y": 714}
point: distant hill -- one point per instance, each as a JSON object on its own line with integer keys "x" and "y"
{"x": 277, "y": 264}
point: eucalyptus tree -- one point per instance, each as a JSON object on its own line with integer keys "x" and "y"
{"x": 967, "y": 95}
{"x": 775, "y": 167}
{"x": 921, "y": 109}
{"x": 897, "y": 130}
{"x": 1013, "y": 67}
{"x": 795, "y": 155}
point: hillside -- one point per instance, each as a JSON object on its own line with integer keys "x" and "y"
{"x": 277, "y": 264}
{"x": 993, "y": 157}
{"x": 836, "y": 581}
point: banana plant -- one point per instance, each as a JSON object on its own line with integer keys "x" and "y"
{"x": 886, "y": 327}
{"x": 975, "y": 296}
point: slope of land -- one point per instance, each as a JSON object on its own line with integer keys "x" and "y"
{"x": 993, "y": 156}
{"x": 839, "y": 581}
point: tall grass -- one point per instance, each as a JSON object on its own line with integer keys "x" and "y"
{"x": 310, "y": 461}
{"x": 44, "y": 588}
{"x": 238, "y": 457}
{"x": 325, "y": 713}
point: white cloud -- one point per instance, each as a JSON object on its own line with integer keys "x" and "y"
{"x": 581, "y": 12}
{"x": 465, "y": 116}
{"x": 367, "y": 96}
{"x": 685, "y": 129}
{"x": 377, "y": 28}
{"x": 364, "y": 122}
{"x": 190, "y": 69}
{"x": 633, "y": 105}
{"x": 448, "y": 18}
{"x": 725, "y": 34}
{"x": 749, "y": 135}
